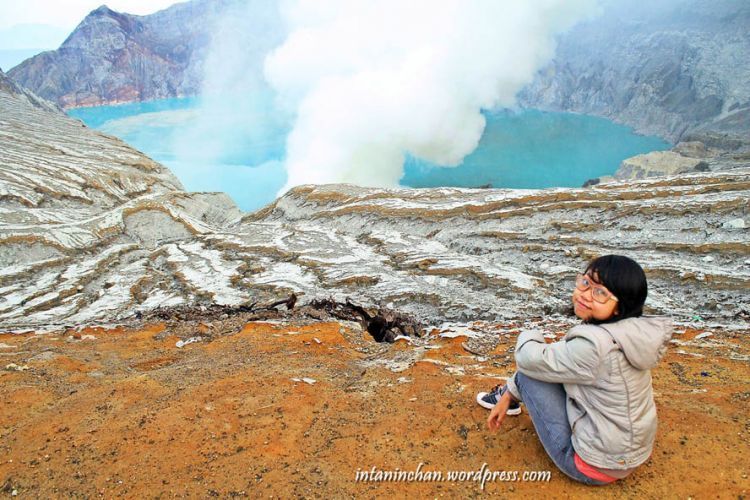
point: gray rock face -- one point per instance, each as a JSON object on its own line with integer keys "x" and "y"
{"x": 685, "y": 157}
{"x": 73, "y": 198}
{"x": 10, "y": 88}
{"x": 92, "y": 231}
{"x": 49, "y": 161}
{"x": 657, "y": 163}
{"x": 674, "y": 69}
{"x": 113, "y": 57}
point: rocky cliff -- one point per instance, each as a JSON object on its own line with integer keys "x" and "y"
{"x": 12, "y": 89}
{"x": 677, "y": 69}
{"x": 112, "y": 57}
{"x": 53, "y": 165}
{"x": 72, "y": 199}
{"x": 93, "y": 231}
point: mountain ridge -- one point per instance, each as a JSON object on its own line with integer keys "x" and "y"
{"x": 113, "y": 57}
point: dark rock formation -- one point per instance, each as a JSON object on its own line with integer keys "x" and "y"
{"x": 674, "y": 69}
{"x": 113, "y": 57}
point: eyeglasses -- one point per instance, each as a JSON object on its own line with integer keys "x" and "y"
{"x": 598, "y": 293}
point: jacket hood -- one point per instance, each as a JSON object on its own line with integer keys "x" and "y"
{"x": 643, "y": 340}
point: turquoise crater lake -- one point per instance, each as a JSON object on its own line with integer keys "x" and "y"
{"x": 525, "y": 149}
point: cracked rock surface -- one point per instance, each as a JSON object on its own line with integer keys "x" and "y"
{"x": 92, "y": 231}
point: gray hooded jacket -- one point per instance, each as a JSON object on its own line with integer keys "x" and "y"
{"x": 605, "y": 370}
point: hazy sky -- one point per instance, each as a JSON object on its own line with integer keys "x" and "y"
{"x": 68, "y": 13}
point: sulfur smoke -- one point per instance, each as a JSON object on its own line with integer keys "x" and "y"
{"x": 369, "y": 82}
{"x": 234, "y": 94}
{"x": 357, "y": 85}
{"x": 236, "y": 125}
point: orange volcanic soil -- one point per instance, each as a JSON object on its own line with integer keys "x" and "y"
{"x": 126, "y": 412}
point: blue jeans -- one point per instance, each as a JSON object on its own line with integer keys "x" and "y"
{"x": 546, "y": 404}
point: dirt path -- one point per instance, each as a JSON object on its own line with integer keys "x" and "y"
{"x": 128, "y": 413}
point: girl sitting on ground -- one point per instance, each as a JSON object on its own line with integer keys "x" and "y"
{"x": 589, "y": 395}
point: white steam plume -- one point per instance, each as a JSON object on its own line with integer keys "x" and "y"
{"x": 369, "y": 81}
{"x": 236, "y": 114}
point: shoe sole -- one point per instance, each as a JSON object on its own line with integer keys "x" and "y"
{"x": 484, "y": 404}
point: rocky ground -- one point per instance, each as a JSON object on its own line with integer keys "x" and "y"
{"x": 294, "y": 407}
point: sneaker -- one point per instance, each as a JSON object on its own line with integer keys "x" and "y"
{"x": 489, "y": 400}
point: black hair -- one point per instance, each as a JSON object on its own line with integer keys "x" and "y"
{"x": 626, "y": 279}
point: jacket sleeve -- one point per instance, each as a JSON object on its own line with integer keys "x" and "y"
{"x": 573, "y": 360}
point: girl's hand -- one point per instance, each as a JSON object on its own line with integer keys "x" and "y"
{"x": 497, "y": 415}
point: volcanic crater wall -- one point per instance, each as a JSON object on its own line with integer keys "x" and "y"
{"x": 92, "y": 231}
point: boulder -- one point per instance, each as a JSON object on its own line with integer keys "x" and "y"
{"x": 658, "y": 163}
